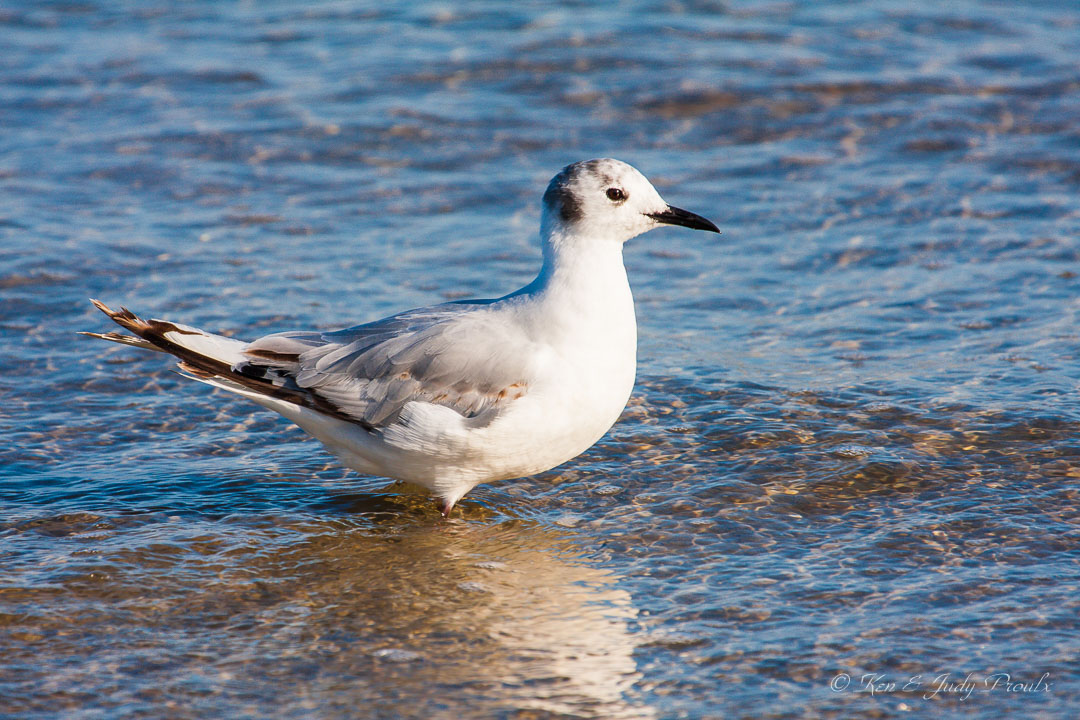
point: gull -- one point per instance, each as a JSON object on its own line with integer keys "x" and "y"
{"x": 472, "y": 391}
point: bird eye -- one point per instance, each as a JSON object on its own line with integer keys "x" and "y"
{"x": 616, "y": 194}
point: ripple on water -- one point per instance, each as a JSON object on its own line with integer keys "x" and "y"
{"x": 852, "y": 448}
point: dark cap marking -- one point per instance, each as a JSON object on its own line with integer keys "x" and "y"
{"x": 563, "y": 195}
{"x": 560, "y": 198}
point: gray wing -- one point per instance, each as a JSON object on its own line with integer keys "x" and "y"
{"x": 465, "y": 356}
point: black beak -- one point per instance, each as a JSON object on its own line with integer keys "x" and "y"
{"x": 678, "y": 216}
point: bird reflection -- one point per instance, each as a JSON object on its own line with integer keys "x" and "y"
{"x": 493, "y": 615}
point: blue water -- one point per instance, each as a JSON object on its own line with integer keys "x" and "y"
{"x": 847, "y": 477}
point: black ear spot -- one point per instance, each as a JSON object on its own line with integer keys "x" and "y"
{"x": 561, "y": 199}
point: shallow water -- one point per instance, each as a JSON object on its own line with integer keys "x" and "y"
{"x": 848, "y": 473}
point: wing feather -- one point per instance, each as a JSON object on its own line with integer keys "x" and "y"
{"x": 452, "y": 355}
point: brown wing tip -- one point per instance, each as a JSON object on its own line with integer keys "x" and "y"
{"x": 123, "y": 316}
{"x": 194, "y": 371}
{"x": 272, "y": 356}
{"x": 104, "y": 308}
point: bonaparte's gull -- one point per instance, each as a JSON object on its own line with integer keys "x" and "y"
{"x": 472, "y": 391}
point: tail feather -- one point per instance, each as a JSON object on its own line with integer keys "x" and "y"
{"x": 123, "y": 340}
{"x": 174, "y": 338}
{"x": 214, "y": 359}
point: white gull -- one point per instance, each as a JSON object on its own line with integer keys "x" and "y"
{"x": 473, "y": 391}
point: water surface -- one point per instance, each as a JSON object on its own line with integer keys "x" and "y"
{"x": 852, "y": 451}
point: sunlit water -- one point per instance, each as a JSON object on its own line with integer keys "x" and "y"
{"x": 854, "y": 446}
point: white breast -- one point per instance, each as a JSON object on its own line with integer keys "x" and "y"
{"x": 585, "y": 372}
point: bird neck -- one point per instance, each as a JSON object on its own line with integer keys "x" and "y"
{"x": 583, "y": 270}
{"x": 585, "y": 307}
